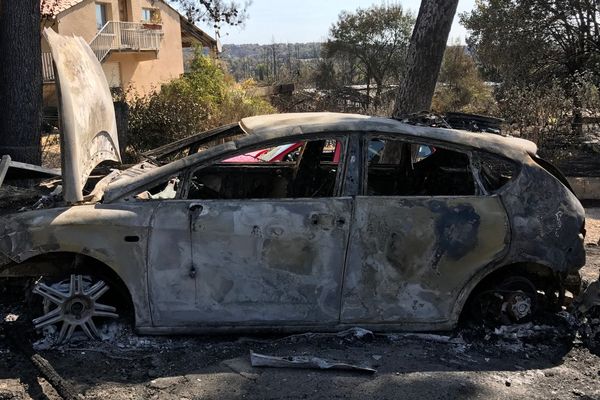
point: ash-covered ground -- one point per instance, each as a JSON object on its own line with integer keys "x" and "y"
{"x": 539, "y": 360}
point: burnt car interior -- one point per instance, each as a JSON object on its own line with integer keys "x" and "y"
{"x": 397, "y": 168}
{"x": 308, "y": 172}
{"x": 495, "y": 171}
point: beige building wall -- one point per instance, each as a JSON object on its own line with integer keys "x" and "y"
{"x": 140, "y": 72}
{"x": 80, "y": 20}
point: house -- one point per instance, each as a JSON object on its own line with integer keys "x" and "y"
{"x": 140, "y": 43}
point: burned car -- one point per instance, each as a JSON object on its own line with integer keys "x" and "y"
{"x": 385, "y": 235}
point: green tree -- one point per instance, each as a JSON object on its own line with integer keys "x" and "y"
{"x": 537, "y": 42}
{"x": 460, "y": 86}
{"x": 375, "y": 39}
{"x": 325, "y": 75}
{"x": 205, "y": 98}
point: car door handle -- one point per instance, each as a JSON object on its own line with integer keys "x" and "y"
{"x": 326, "y": 220}
{"x": 194, "y": 211}
{"x": 195, "y": 208}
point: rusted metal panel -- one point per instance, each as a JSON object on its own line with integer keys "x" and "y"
{"x": 409, "y": 258}
{"x": 254, "y": 262}
{"x": 88, "y": 125}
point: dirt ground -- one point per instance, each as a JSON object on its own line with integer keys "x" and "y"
{"x": 538, "y": 360}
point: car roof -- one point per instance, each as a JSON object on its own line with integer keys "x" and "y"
{"x": 279, "y": 126}
{"x": 273, "y": 126}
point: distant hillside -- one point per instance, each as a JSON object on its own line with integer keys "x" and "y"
{"x": 272, "y": 63}
{"x": 302, "y": 51}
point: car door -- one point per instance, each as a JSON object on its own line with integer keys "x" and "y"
{"x": 249, "y": 261}
{"x": 420, "y": 231}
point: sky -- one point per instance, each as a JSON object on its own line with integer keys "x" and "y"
{"x": 291, "y": 21}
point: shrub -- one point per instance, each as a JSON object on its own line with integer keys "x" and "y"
{"x": 545, "y": 114}
{"x": 203, "y": 99}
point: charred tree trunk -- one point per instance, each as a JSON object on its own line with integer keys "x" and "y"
{"x": 20, "y": 80}
{"x": 424, "y": 58}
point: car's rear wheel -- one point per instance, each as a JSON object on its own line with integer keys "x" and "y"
{"x": 73, "y": 303}
{"x": 513, "y": 299}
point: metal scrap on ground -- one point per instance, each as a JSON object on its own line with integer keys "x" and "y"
{"x": 261, "y": 360}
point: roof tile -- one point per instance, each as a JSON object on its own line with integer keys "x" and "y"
{"x": 51, "y": 8}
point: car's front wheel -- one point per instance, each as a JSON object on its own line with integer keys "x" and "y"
{"x": 73, "y": 303}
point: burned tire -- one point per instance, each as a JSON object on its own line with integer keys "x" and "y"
{"x": 512, "y": 300}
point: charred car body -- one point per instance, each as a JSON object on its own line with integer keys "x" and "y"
{"x": 382, "y": 235}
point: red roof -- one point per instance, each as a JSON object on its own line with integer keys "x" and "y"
{"x": 51, "y": 8}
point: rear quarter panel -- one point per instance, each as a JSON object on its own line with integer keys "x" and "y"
{"x": 546, "y": 220}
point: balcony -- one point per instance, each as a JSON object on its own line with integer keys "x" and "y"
{"x": 115, "y": 36}
{"x": 126, "y": 37}
{"x": 47, "y": 67}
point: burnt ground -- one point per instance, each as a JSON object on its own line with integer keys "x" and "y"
{"x": 534, "y": 361}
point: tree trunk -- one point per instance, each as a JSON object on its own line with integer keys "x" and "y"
{"x": 577, "y": 122}
{"x": 378, "y": 90}
{"x": 424, "y": 58}
{"x": 20, "y": 80}
{"x": 368, "y": 90}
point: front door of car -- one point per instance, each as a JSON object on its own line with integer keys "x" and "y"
{"x": 251, "y": 261}
{"x": 420, "y": 231}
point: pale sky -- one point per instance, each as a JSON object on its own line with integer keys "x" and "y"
{"x": 290, "y": 21}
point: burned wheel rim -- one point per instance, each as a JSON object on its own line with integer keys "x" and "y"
{"x": 71, "y": 304}
{"x": 519, "y": 299}
{"x": 512, "y": 300}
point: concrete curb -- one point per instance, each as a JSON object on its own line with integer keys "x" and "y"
{"x": 586, "y": 188}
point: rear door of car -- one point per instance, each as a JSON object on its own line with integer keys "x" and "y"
{"x": 251, "y": 261}
{"x": 421, "y": 229}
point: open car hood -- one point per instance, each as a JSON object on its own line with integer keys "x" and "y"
{"x": 88, "y": 128}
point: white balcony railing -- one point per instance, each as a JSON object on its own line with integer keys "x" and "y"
{"x": 126, "y": 36}
{"x": 115, "y": 36}
{"x": 47, "y": 67}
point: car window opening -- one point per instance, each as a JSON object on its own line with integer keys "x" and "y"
{"x": 495, "y": 171}
{"x": 163, "y": 191}
{"x": 397, "y": 168}
{"x": 293, "y": 170}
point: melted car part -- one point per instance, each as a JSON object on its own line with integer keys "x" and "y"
{"x": 87, "y": 115}
{"x": 261, "y": 360}
{"x": 192, "y": 144}
{"x": 11, "y": 170}
{"x": 474, "y": 122}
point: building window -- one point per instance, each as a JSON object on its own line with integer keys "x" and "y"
{"x": 101, "y": 18}
{"x": 151, "y": 15}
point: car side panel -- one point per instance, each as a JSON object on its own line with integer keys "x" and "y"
{"x": 171, "y": 279}
{"x": 410, "y": 257}
{"x": 114, "y": 234}
{"x": 251, "y": 262}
